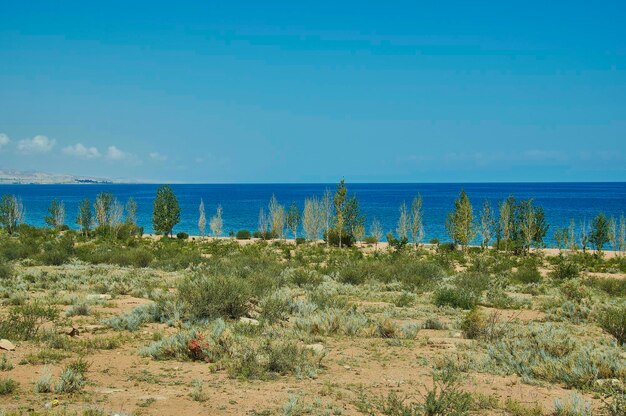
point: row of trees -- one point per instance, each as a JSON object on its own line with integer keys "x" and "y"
{"x": 333, "y": 217}
{"x": 517, "y": 225}
{"x": 601, "y": 231}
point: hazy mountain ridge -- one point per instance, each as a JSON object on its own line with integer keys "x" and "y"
{"x": 11, "y": 176}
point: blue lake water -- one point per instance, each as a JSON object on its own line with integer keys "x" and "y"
{"x": 241, "y": 202}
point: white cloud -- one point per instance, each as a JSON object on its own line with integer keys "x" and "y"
{"x": 79, "y": 150}
{"x": 38, "y": 144}
{"x": 113, "y": 153}
{"x": 4, "y": 140}
{"x": 158, "y": 156}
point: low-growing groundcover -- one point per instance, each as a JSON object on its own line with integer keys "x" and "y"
{"x": 212, "y": 326}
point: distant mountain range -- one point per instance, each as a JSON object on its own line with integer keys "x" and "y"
{"x": 11, "y": 176}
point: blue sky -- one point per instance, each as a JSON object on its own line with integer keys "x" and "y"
{"x": 208, "y": 91}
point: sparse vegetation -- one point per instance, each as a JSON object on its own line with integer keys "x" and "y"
{"x": 271, "y": 310}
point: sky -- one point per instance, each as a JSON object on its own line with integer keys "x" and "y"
{"x": 284, "y": 92}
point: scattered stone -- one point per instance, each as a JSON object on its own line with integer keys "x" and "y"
{"x": 254, "y": 314}
{"x": 103, "y": 296}
{"x": 249, "y": 321}
{"x": 609, "y": 381}
{"x": 316, "y": 348}
{"x": 92, "y": 328}
{"x": 7, "y": 345}
{"x": 347, "y": 367}
{"x": 72, "y": 332}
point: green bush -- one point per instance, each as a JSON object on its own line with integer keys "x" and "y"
{"x": 207, "y": 297}
{"x": 613, "y": 320}
{"x": 7, "y": 386}
{"x": 612, "y": 286}
{"x": 527, "y": 273}
{"x": 370, "y": 239}
{"x": 455, "y": 297}
{"x": 6, "y": 271}
{"x": 243, "y": 235}
{"x": 23, "y": 321}
{"x": 182, "y": 235}
{"x": 564, "y": 270}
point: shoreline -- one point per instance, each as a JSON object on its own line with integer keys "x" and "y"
{"x": 383, "y": 245}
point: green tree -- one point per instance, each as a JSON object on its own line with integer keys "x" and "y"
{"x": 56, "y": 214}
{"x": 293, "y": 219}
{"x": 416, "y": 223}
{"x": 339, "y": 201}
{"x": 487, "y": 222}
{"x": 166, "y": 212}
{"x": 376, "y": 231}
{"x": 505, "y": 224}
{"x": 102, "y": 206}
{"x": 276, "y": 213}
{"x": 402, "y": 230}
{"x": 85, "y": 216}
{"x": 460, "y": 222}
{"x": 312, "y": 218}
{"x": 354, "y": 221}
{"x": 131, "y": 211}
{"x": 600, "y": 232}
{"x": 561, "y": 236}
{"x": 11, "y": 213}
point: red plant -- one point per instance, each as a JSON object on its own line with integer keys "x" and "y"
{"x": 195, "y": 346}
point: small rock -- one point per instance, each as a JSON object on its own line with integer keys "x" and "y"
{"x": 316, "y": 348}
{"x": 249, "y": 321}
{"x": 103, "y": 296}
{"x": 609, "y": 381}
{"x": 457, "y": 335}
{"x": 5, "y": 344}
{"x": 93, "y": 328}
{"x": 347, "y": 367}
{"x": 253, "y": 314}
{"x": 72, "y": 332}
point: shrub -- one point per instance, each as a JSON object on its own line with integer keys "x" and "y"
{"x": 24, "y": 321}
{"x": 396, "y": 243}
{"x": 370, "y": 239}
{"x": 446, "y": 398}
{"x": 80, "y": 309}
{"x": 197, "y": 393}
{"x": 575, "y": 405}
{"x": 7, "y": 386}
{"x": 613, "y": 321}
{"x": 250, "y": 361}
{"x": 134, "y": 319}
{"x": 433, "y": 323}
{"x": 182, "y": 235}
{"x": 243, "y": 235}
{"x": 6, "y": 271}
{"x": 477, "y": 325}
{"x": 527, "y": 273}
{"x": 332, "y": 237}
{"x": 44, "y": 383}
{"x": 613, "y": 287}
{"x": 547, "y": 352}
{"x": 565, "y": 269}
{"x": 70, "y": 381}
{"x": 5, "y": 364}
{"x": 454, "y": 297}
{"x": 208, "y": 297}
